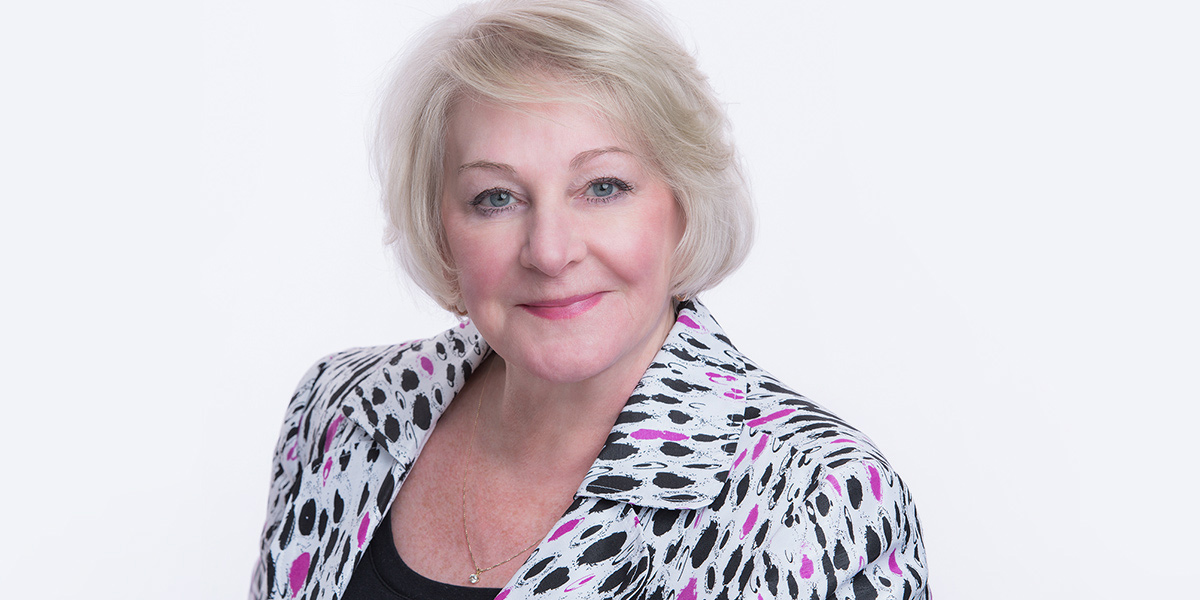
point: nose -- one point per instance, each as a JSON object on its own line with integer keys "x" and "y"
{"x": 554, "y": 240}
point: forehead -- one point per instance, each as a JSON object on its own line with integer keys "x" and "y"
{"x": 489, "y": 130}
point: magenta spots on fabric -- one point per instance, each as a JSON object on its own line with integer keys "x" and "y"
{"x": 806, "y": 567}
{"x": 427, "y": 364}
{"x": 875, "y": 482}
{"x": 650, "y": 434}
{"x": 735, "y": 395}
{"x": 758, "y": 448}
{"x": 689, "y": 591}
{"x": 569, "y": 525}
{"x": 739, "y": 459}
{"x": 578, "y": 584}
{"x": 503, "y": 595}
{"x": 686, "y": 320}
{"x": 699, "y": 517}
{"x": 842, "y": 441}
{"x": 751, "y": 519}
{"x": 719, "y": 378}
{"x": 333, "y": 425}
{"x": 836, "y": 486}
{"x": 893, "y": 566}
{"x": 362, "y": 529}
{"x": 325, "y": 471}
{"x": 299, "y": 572}
{"x": 771, "y": 417}
{"x": 291, "y": 455}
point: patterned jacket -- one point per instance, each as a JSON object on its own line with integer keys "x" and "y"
{"x": 717, "y": 481}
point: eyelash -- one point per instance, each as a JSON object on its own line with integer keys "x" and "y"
{"x": 621, "y": 186}
{"x": 477, "y": 202}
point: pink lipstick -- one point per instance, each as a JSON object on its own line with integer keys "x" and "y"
{"x": 563, "y": 308}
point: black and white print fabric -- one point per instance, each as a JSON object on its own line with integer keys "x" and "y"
{"x": 717, "y": 481}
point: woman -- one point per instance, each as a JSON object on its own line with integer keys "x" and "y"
{"x": 558, "y": 173}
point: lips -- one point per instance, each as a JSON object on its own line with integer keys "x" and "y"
{"x": 563, "y": 308}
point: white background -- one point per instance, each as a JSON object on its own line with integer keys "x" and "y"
{"x": 978, "y": 243}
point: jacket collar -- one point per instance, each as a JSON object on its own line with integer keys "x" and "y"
{"x": 672, "y": 444}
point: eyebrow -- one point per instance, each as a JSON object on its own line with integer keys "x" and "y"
{"x": 580, "y": 159}
{"x": 587, "y": 155}
{"x": 487, "y": 164}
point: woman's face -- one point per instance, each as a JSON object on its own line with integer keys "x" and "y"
{"x": 562, "y": 238}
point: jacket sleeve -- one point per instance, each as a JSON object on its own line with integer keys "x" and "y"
{"x": 854, "y": 534}
{"x": 284, "y": 467}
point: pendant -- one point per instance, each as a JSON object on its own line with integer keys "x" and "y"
{"x": 474, "y": 578}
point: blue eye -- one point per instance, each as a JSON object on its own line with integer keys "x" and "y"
{"x": 497, "y": 199}
{"x": 607, "y": 187}
{"x": 601, "y": 189}
{"x": 494, "y": 199}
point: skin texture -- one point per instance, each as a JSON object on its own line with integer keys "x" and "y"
{"x": 563, "y": 241}
{"x": 554, "y": 240}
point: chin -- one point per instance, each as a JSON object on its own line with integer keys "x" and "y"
{"x": 565, "y": 361}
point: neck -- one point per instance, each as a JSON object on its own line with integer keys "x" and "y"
{"x": 544, "y": 430}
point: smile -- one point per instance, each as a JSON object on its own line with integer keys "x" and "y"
{"x": 563, "y": 308}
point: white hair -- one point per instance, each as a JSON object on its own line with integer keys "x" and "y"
{"x": 617, "y": 56}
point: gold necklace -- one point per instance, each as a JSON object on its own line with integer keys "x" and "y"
{"x": 474, "y": 577}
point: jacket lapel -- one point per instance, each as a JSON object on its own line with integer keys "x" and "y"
{"x": 673, "y": 443}
{"x": 671, "y": 447}
{"x": 404, "y": 398}
{"x": 394, "y": 397}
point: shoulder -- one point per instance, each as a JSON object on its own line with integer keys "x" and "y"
{"x": 336, "y": 380}
{"x": 822, "y": 504}
{"x": 325, "y": 383}
{"x": 321, "y": 460}
{"x": 363, "y": 378}
{"x": 333, "y": 376}
{"x": 316, "y": 403}
{"x": 802, "y": 425}
{"x": 307, "y": 426}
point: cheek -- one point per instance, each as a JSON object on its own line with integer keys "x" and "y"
{"x": 643, "y": 248}
{"x": 481, "y": 262}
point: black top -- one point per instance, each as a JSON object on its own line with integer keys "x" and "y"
{"x": 382, "y": 575}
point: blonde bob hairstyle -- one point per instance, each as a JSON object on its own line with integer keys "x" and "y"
{"x": 617, "y": 57}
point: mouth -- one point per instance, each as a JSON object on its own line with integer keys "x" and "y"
{"x": 562, "y": 308}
